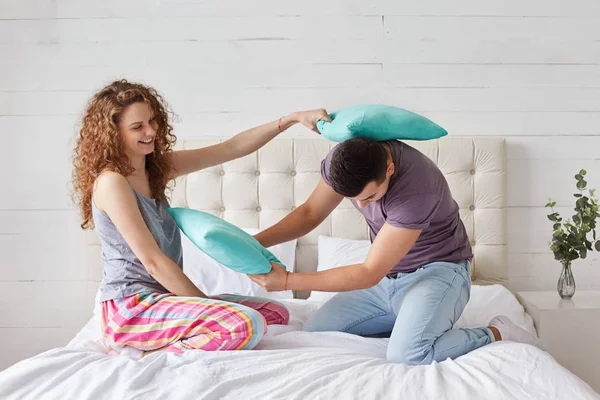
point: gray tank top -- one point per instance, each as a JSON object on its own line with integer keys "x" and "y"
{"x": 124, "y": 274}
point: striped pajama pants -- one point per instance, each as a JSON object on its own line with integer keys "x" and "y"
{"x": 149, "y": 321}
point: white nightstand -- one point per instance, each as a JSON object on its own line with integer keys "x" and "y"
{"x": 570, "y": 329}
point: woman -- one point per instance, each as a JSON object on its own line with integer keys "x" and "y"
{"x": 123, "y": 164}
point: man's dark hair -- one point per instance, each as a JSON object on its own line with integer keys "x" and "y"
{"x": 356, "y": 162}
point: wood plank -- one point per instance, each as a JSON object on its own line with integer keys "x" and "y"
{"x": 14, "y": 9}
{"x": 64, "y": 90}
{"x": 491, "y": 75}
{"x": 528, "y": 265}
{"x": 190, "y": 29}
{"x": 45, "y": 171}
{"x": 557, "y": 148}
{"x": 88, "y": 66}
{"x": 234, "y": 98}
{"x": 518, "y": 124}
{"x": 532, "y": 182}
{"x": 42, "y": 246}
{"x": 517, "y": 8}
{"x": 45, "y": 304}
{"x": 506, "y": 29}
{"x": 494, "y": 99}
{"x": 547, "y": 282}
{"x": 529, "y": 230}
{"x": 19, "y": 9}
{"x": 472, "y": 50}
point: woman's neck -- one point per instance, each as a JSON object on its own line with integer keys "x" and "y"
{"x": 139, "y": 166}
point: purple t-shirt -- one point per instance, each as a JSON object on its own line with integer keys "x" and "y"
{"x": 418, "y": 197}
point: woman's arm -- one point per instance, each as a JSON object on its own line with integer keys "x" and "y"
{"x": 113, "y": 195}
{"x": 242, "y": 144}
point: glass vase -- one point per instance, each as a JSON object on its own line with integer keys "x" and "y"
{"x": 566, "y": 282}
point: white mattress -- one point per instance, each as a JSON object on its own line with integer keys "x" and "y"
{"x": 290, "y": 363}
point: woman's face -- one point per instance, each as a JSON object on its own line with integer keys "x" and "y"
{"x": 138, "y": 129}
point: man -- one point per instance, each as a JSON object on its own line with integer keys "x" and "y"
{"x": 415, "y": 281}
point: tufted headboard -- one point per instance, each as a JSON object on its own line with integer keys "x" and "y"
{"x": 258, "y": 190}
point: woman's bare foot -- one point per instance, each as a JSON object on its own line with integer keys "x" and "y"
{"x": 152, "y": 351}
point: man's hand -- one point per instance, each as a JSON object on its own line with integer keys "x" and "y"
{"x": 389, "y": 247}
{"x": 274, "y": 281}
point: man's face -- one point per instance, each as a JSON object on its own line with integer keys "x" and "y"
{"x": 374, "y": 191}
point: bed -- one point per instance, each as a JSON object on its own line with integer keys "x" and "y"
{"x": 257, "y": 191}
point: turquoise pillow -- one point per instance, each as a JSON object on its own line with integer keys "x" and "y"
{"x": 379, "y": 122}
{"x": 223, "y": 241}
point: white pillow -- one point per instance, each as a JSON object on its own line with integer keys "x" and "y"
{"x": 213, "y": 278}
{"x": 337, "y": 252}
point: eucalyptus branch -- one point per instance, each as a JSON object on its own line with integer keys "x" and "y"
{"x": 570, "y": 238}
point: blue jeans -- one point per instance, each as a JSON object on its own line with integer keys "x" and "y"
{"x": 416, "y": 310}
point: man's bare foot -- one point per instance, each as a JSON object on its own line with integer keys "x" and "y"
{"x": 496, "y": 333}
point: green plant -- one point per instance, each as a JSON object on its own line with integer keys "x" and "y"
{"x": 570, "y": 238}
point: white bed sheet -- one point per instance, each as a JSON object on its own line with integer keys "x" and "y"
{"x": 292, "y": 364}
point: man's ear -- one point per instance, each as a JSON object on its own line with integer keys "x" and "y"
{"x": 390, "y": 169}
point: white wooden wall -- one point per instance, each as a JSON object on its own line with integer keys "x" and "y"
{"x": 527, "y": 70}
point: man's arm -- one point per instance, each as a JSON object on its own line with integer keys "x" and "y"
{"x": 390, "y": 246}
{"x": 304, "y": 219}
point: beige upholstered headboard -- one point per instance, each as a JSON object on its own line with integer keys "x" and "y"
{"x": 258, "y": 190}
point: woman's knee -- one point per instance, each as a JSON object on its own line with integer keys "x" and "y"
{"x": 253, "y": 330}
{"x": 277, "y": 313}
{"x": 255, "y": 322}
{"x": 273, "y": 311}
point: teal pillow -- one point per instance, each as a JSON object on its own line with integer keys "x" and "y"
{"x": 223, "y": 241}
{"x": 379, "y": 122}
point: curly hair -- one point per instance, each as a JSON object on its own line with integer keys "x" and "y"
{"x": 99, "y": 146}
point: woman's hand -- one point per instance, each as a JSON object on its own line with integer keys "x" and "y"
{"x": 310, "y": 118}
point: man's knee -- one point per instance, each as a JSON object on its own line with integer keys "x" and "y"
{"x": 415, "y": 353}
{"x": 316, "y": 325}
